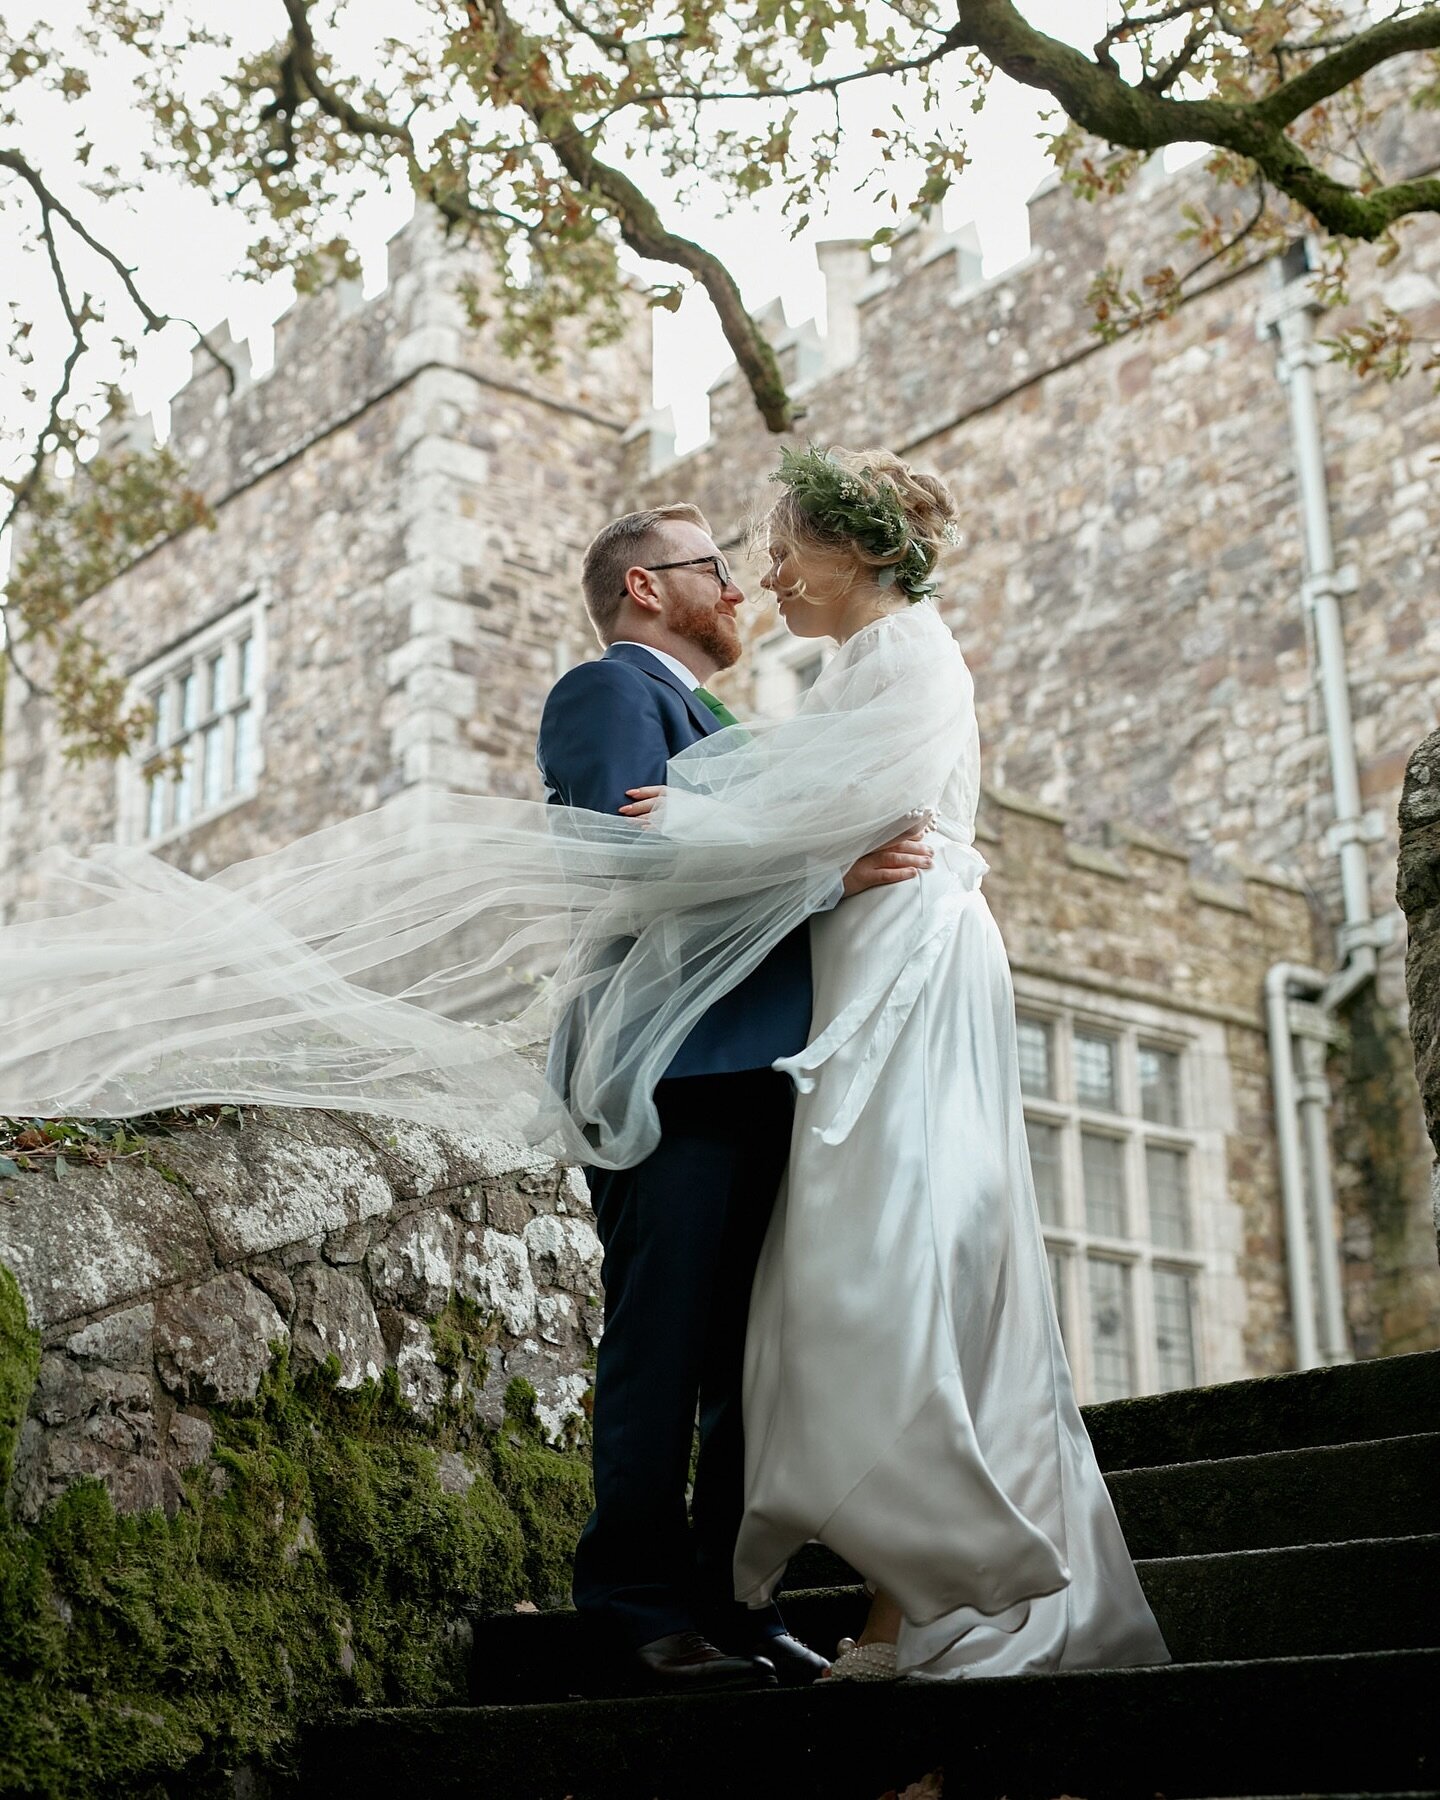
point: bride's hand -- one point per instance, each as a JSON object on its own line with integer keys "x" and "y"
{"x": 643, "y": 801}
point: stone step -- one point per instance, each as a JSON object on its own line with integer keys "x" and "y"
{"x": 1361, "y": 1724}
{"x": 1391, "y": 1396}
{"x": 1323, "y": 1495}
{"x": 1312, "y": 1600}
{"x": 1327, "y": 1495}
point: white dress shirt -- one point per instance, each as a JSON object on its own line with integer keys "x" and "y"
{"x": 672, "y": 663}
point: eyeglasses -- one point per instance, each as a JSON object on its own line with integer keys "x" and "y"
{"x": 717, "y": 565}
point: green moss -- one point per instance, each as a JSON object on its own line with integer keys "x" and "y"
{"x": 19, "y": 1365}
{"x": 317, "y": 1561}
{"x": 548, "y": 1491}
{"x": 462, "y": 1337}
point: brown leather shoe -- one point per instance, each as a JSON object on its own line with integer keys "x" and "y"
{"x": 686, "y": 1662}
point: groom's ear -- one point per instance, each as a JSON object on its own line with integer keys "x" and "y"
{"x": 644, "y": 590}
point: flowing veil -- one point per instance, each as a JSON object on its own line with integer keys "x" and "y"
{"x": 416, "y": 960}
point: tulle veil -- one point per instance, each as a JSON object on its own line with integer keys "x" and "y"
{"x": 525, "y": 969}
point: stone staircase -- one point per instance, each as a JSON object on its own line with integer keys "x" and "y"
{"x": 1287, "y": 1532}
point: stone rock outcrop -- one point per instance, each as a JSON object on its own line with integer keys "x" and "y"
{"x": 370, "y": 1248}
{"x": 1417, "y": 888}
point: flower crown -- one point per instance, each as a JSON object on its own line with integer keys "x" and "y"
{"x": 859, "y": 506}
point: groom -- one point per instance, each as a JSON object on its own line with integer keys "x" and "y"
{"x": 682, "y": 1230}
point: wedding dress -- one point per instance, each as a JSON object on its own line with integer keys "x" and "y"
{"x": 907, "y": 1398}
{"x": 907, "y": 1395}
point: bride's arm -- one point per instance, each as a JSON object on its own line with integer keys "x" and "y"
{"x": 901, "y": 859}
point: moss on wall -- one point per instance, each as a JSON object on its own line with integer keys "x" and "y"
{"x": 1382, "y": 1157}
{"x": 328, "y": 1554}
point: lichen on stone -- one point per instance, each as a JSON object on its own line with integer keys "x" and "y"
{"x": 329, "y": 1551}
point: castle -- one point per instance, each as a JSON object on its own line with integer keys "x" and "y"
{"x": 392, "y": 587}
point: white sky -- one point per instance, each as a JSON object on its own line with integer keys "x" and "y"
{"x": 186, "y": 251}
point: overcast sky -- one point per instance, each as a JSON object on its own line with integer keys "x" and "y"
{"x": 186, "y": 251}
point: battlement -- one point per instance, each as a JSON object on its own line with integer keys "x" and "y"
{"x": 337, "y": 351}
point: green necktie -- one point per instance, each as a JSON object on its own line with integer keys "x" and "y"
{"x": 717, "y": 706}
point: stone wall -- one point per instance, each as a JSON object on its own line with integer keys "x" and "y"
{"x": 163, "y": 1287}
{"x": 285, "y": 1403}
{"x": 1418, "y": 891}
{"x": 1128, "y": 593}
{"x": 411, "y": 508}
{"x": 1131, "y": 921}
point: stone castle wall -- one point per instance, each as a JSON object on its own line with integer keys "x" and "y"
{"x": 163, "y": 1289}
{"x": 1130, "y": 920}
{"x": 414, "y": 509}
{"x": 413, "y": 520}
{"x": 1128, "y": 594}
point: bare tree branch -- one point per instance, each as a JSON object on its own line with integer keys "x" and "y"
{"x": 954, "y": 39}
{"x": 52, "y": 206}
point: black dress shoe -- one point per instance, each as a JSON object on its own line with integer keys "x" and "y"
{"x": 796, "y": 1665}
{"x": 687, "y": 1663}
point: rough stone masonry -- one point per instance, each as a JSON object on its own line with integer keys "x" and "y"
{"x": 164, "y": 1288}
{"x": 1417, "y": 888}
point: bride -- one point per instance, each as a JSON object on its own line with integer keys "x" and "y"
{"x": 907, "y": 1398}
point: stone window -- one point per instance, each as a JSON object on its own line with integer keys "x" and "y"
{"x": 207, "y": 697}
{"x": 1130, "y": 1184}
{"x": 786, "y": 668}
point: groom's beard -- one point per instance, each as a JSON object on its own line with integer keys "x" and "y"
{"x": 715, "y": 633}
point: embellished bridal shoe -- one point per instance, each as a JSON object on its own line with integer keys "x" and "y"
{"x": 863, "y": 1662}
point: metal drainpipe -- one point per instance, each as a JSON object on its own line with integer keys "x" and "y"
{"x": 1300, "y": 1002}
{"x": 1278, "y": 981}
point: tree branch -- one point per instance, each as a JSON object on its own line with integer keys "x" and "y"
{"x": 639, "y": 221}
{"x": 51, "y": 205}
{"x": 363, "y": 124}
{"x": 954, "y": 39}
{"x": 1346, "y": 64}
{"x": 1108, "y": 107}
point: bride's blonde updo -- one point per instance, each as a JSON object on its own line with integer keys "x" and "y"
{"x": 892, "y": 522}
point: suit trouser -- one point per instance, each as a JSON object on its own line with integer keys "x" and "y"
{"x": 682, "y": 1233}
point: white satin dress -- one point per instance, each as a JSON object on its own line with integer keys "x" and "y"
{"x": 907, "y": 1397}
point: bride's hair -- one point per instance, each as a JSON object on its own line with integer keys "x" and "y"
{"x": 875, "y": 481}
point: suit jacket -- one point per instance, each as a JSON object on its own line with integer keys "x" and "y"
{"x": 612, "y": 725}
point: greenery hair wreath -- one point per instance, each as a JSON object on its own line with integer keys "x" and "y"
{"x": 858, "y": 505}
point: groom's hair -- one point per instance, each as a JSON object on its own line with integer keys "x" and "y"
{"x": 622, "y": 544}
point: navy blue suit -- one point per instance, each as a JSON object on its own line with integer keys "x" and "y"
{"x": 613, "y": 725}
{"x": 682, "y": 1230}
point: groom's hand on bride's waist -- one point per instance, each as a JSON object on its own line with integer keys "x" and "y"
{"x": 902, "y": 859}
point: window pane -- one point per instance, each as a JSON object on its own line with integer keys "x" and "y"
{"x": 242, "y": 769}
{"x": 215, "y": 684}
{"x": 155, "y": 806}
{"x": 189, "y": 699}
{"x": 245, "y": 681}
{"x": 1095, "y": 1071}
{"x": 808, "y": 674}
{"x": 1033, "y": 1036}
{"x": 1167, "y": 1182}
{"x": 1045, "y": 1164}
{"x": 213, "y": 780}
{"x": 1160, "y": 1085}
{"x": 185, "y": 784}
{"x": 1102, "y": 1161}
{"x": 1174, "y": 1329}
{"x": 160, "y": 700}
{"x": 1111, "y": 1356}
